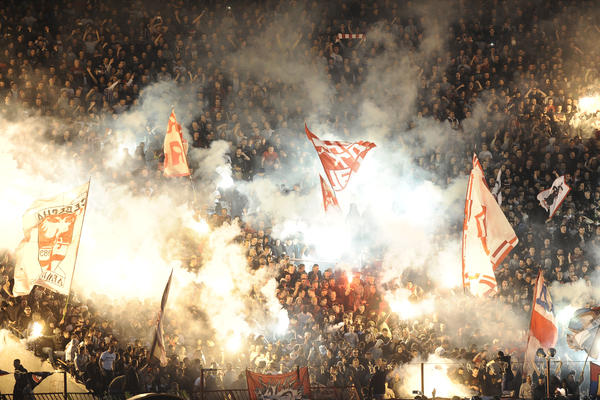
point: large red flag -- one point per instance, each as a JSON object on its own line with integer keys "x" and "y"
{"x": 339, "y": 159}
{"x": 329, "y": 199}
{"x": 487, "y": 235}
{"x": 175, "y": 149}
{"x": 293, "y": 385}
{"x": 543, "y": 331}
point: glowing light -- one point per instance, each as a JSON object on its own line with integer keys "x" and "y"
{"x": 234, "y": 342}
{"x": 564, "y": 315}
{"x": 406, "y": 309}
{"x": 283, "y": 322}
{"x": 199, "y": 226}
{"x": 36, "y": 330}
{"x": 589, "y": 104}
{"x": 225, "y": 179}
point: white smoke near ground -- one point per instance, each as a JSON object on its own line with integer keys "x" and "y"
{"x": 12, "y": 348}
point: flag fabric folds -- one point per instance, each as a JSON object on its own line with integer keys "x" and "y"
{"x": 594, "y": 377}
{"x": 175, "y": 149}
{"x": 583, "y": 329}
{"x": 551, "y": 199}
{"x": 543, "y": 331}
{"x": 293, "y": 385}
{"x": 47, "y": 254}
{"x": 487, "y": 236}
{"x": 339, "y": 159}
{"x": 329, "y": 199}
{"x": 35, "y": 378}
{"x": 158, "y": 349}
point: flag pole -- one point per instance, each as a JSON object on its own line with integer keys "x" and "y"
{"x": 87, "y": 193}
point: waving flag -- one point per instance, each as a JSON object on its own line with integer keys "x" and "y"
{"x": 594, "y": 377}
{"x": 339, "y": 159}
{"x": 543, "y": 331}
{"x": 158, "y": 349}
{"x": 52, "y": 229}
{"x": 329, "y": 199}
{"x": 293, "y": 385}
{"x": 583, "y": 331}
{"x": 175, "y": 149}
{"x": 551, "y": 199}
{"x": 35, "y": 378}
{"x": 487, "y": 236}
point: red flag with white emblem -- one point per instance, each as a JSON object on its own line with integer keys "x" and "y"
{"x": 488, "y": 237}
{"x": 52, "y": 229}
{"x": 339, "y": 159}
{"x": 329, "y": 199}
{"x": 175, "y": 149}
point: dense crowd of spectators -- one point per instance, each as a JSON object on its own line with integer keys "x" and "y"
{"x": 505, "y": 81}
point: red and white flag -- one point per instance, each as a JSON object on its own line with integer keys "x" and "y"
{"x": 487, "y": 236}
{"x": 52, "y": 229}
{"x": 339, "y": 159}
{"x": 291, "y": 385}
{"x": 175, "y": 149}
{"x": 341, "y": 36}
{"x": 158, "y": 350}
{"x": 329, "y": 199}
{"x": 551, "y": 199}
{"x": 543, "y": 331}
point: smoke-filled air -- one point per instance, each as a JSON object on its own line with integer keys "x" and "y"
{"x": 388, "y": 200}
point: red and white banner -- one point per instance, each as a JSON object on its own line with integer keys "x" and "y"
{"x": 52, "y": 229}
{"x": 175, "y": 149}
{"x": 329, "y": 199}
{"x": 339, "y": 159}
{"x": 293, "y": 385}
{"x": 543, "y": 331}
{"x": 551, "y": 199}
{"x": 487, "y": 236}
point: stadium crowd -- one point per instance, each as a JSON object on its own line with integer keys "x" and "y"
{"x": 505, "y": 81}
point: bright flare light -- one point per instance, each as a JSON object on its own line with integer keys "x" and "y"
{"x": 200, "y": 227}
{"x": 234, "y": 343}
{"x": 400, "y": 304}
{"x": 564, "y": 315}
{"x": 283, "y": 322}
{"x": 225, "y": 179}
{"x": 36, "y": 330}
{"x": 589, "y": 104}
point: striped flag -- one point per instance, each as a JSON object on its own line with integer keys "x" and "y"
{"x": 339, "y": 159}
{"x": 329, "y": 199}
{"x": 158, "y": 349}
{"x": 543, "y": 331}
{"x": 487, "y": 236}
